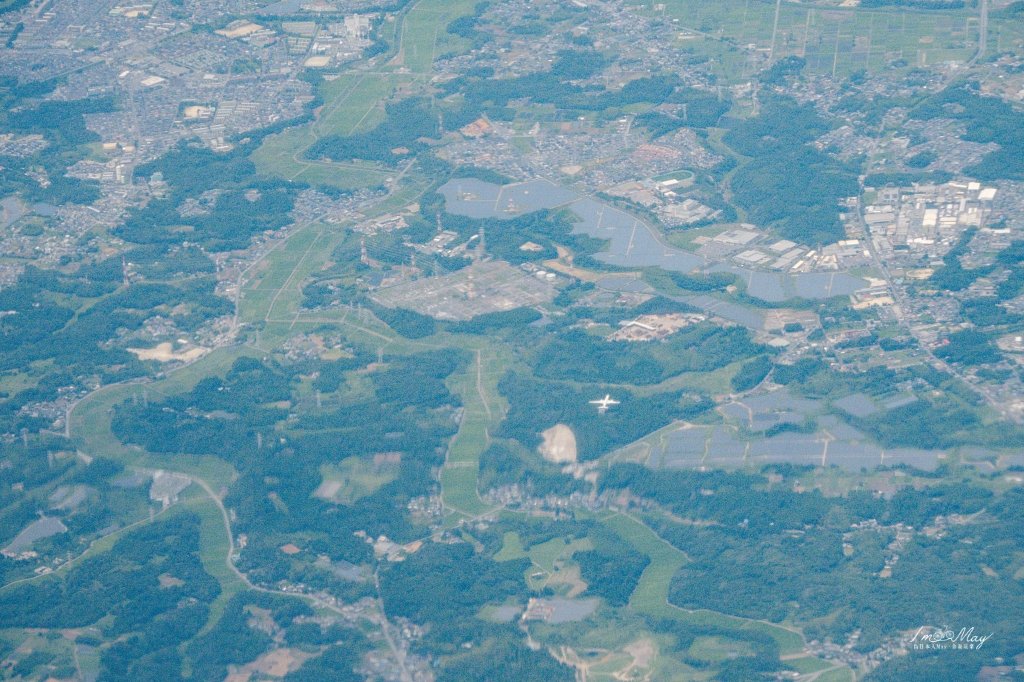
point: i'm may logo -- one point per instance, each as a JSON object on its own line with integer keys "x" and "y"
{"x": 938, "y": 639}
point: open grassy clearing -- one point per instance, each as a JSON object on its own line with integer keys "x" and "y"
{"x": 843, "y": 674}
{"x": 277, "y": 155}
{"x": 511, "y": 548}
{"x": 28, "y": 642}
{"x": 90, "y": 420}
{"x": 545, "y": 570}
{"x": 808, "y": 664}
{"x": 547, "y": 553}
{"x": 353, "y": 103}
{"x": 651, "y": 593}
{"x": 619, "y": 648}
{"x": 213, "y": 551}
{"x": 458, "y": 487}
{"x": 271, "y": 276}
{"x": 280, "y": 156}
{"x": 713, "y": 383}
{"x": 88, "y": 659}
{"x": 484, "y": 409}
{"x": 359, "y": 107}
{"x": 470, "y": 443}
{"x": 717, "y": 649}
{"x": 342, "y": 176}
{"x": 277, "y": 158}
{"x": 424, "y": 38}
{"x": 286, "y": 304}
{"x": 334, "y": 94}
{"x": 353, "y": 478}
{"x": 609, "y": 669}
{"x": 18, "y": 381}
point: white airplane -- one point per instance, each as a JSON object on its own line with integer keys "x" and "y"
{"x": 604, "y": 403}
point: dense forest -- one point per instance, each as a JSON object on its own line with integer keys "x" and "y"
{"x": 537, "y": 405}
{"x": 43, "y": 329}
{"x": 780, "y": 554}
{"x": 788, "y": 184}
{"x": 243, "y": 204}
{"x": 409, "y": 411}
{"x": 579, "y": 356}
{"x": 62, "y": 125}
{"x": 397, "y": 137}
{"x": 987, "y": 119}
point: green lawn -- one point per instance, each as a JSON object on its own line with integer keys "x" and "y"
{"x": 459, "y": 491}
{"x": 651, "y": 594}
{"x": 334, "y": 94}
{"x": 353, "y": 103}
{"x": 343, "y": 176}
{"x": 277, "y": 155}
{"x": 718, "y": 649}
{"x": 281, "y": 156}
{"x": 547, "y": 553}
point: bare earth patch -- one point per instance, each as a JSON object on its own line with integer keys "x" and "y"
{"x": 164, "y": 352}
{"x": 559, "y": 444}
{"x": 642, "y": 653}
{"x": 279, "y": 662}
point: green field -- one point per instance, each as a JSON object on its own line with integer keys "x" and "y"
{"x": 545, "y": 555}
{"x": 718, "y": 649}
{"x": 843, "y": 674}
{"x": 424, "y": 38}
{"x": 357, "y": 477}
{"x": 352, "y": 103}
{"x": 839, "y": 40}
{"x": 808, "y": 665}
{"x": 358, "y": 106}
{"x": 273, "y": 294}
{"x": 281, "y": 156}
{"x": 92, "y": 435}
{"x": 484, "y": 409}
{"x": 213, "y": 552}
{"x": 511, "y": 548}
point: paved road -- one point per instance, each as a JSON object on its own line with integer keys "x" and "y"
{"x": 982, "y": 34}
{"x": 900, "y": 311}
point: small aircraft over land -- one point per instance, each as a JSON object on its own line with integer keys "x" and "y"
{"x": 604, "y": 403}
